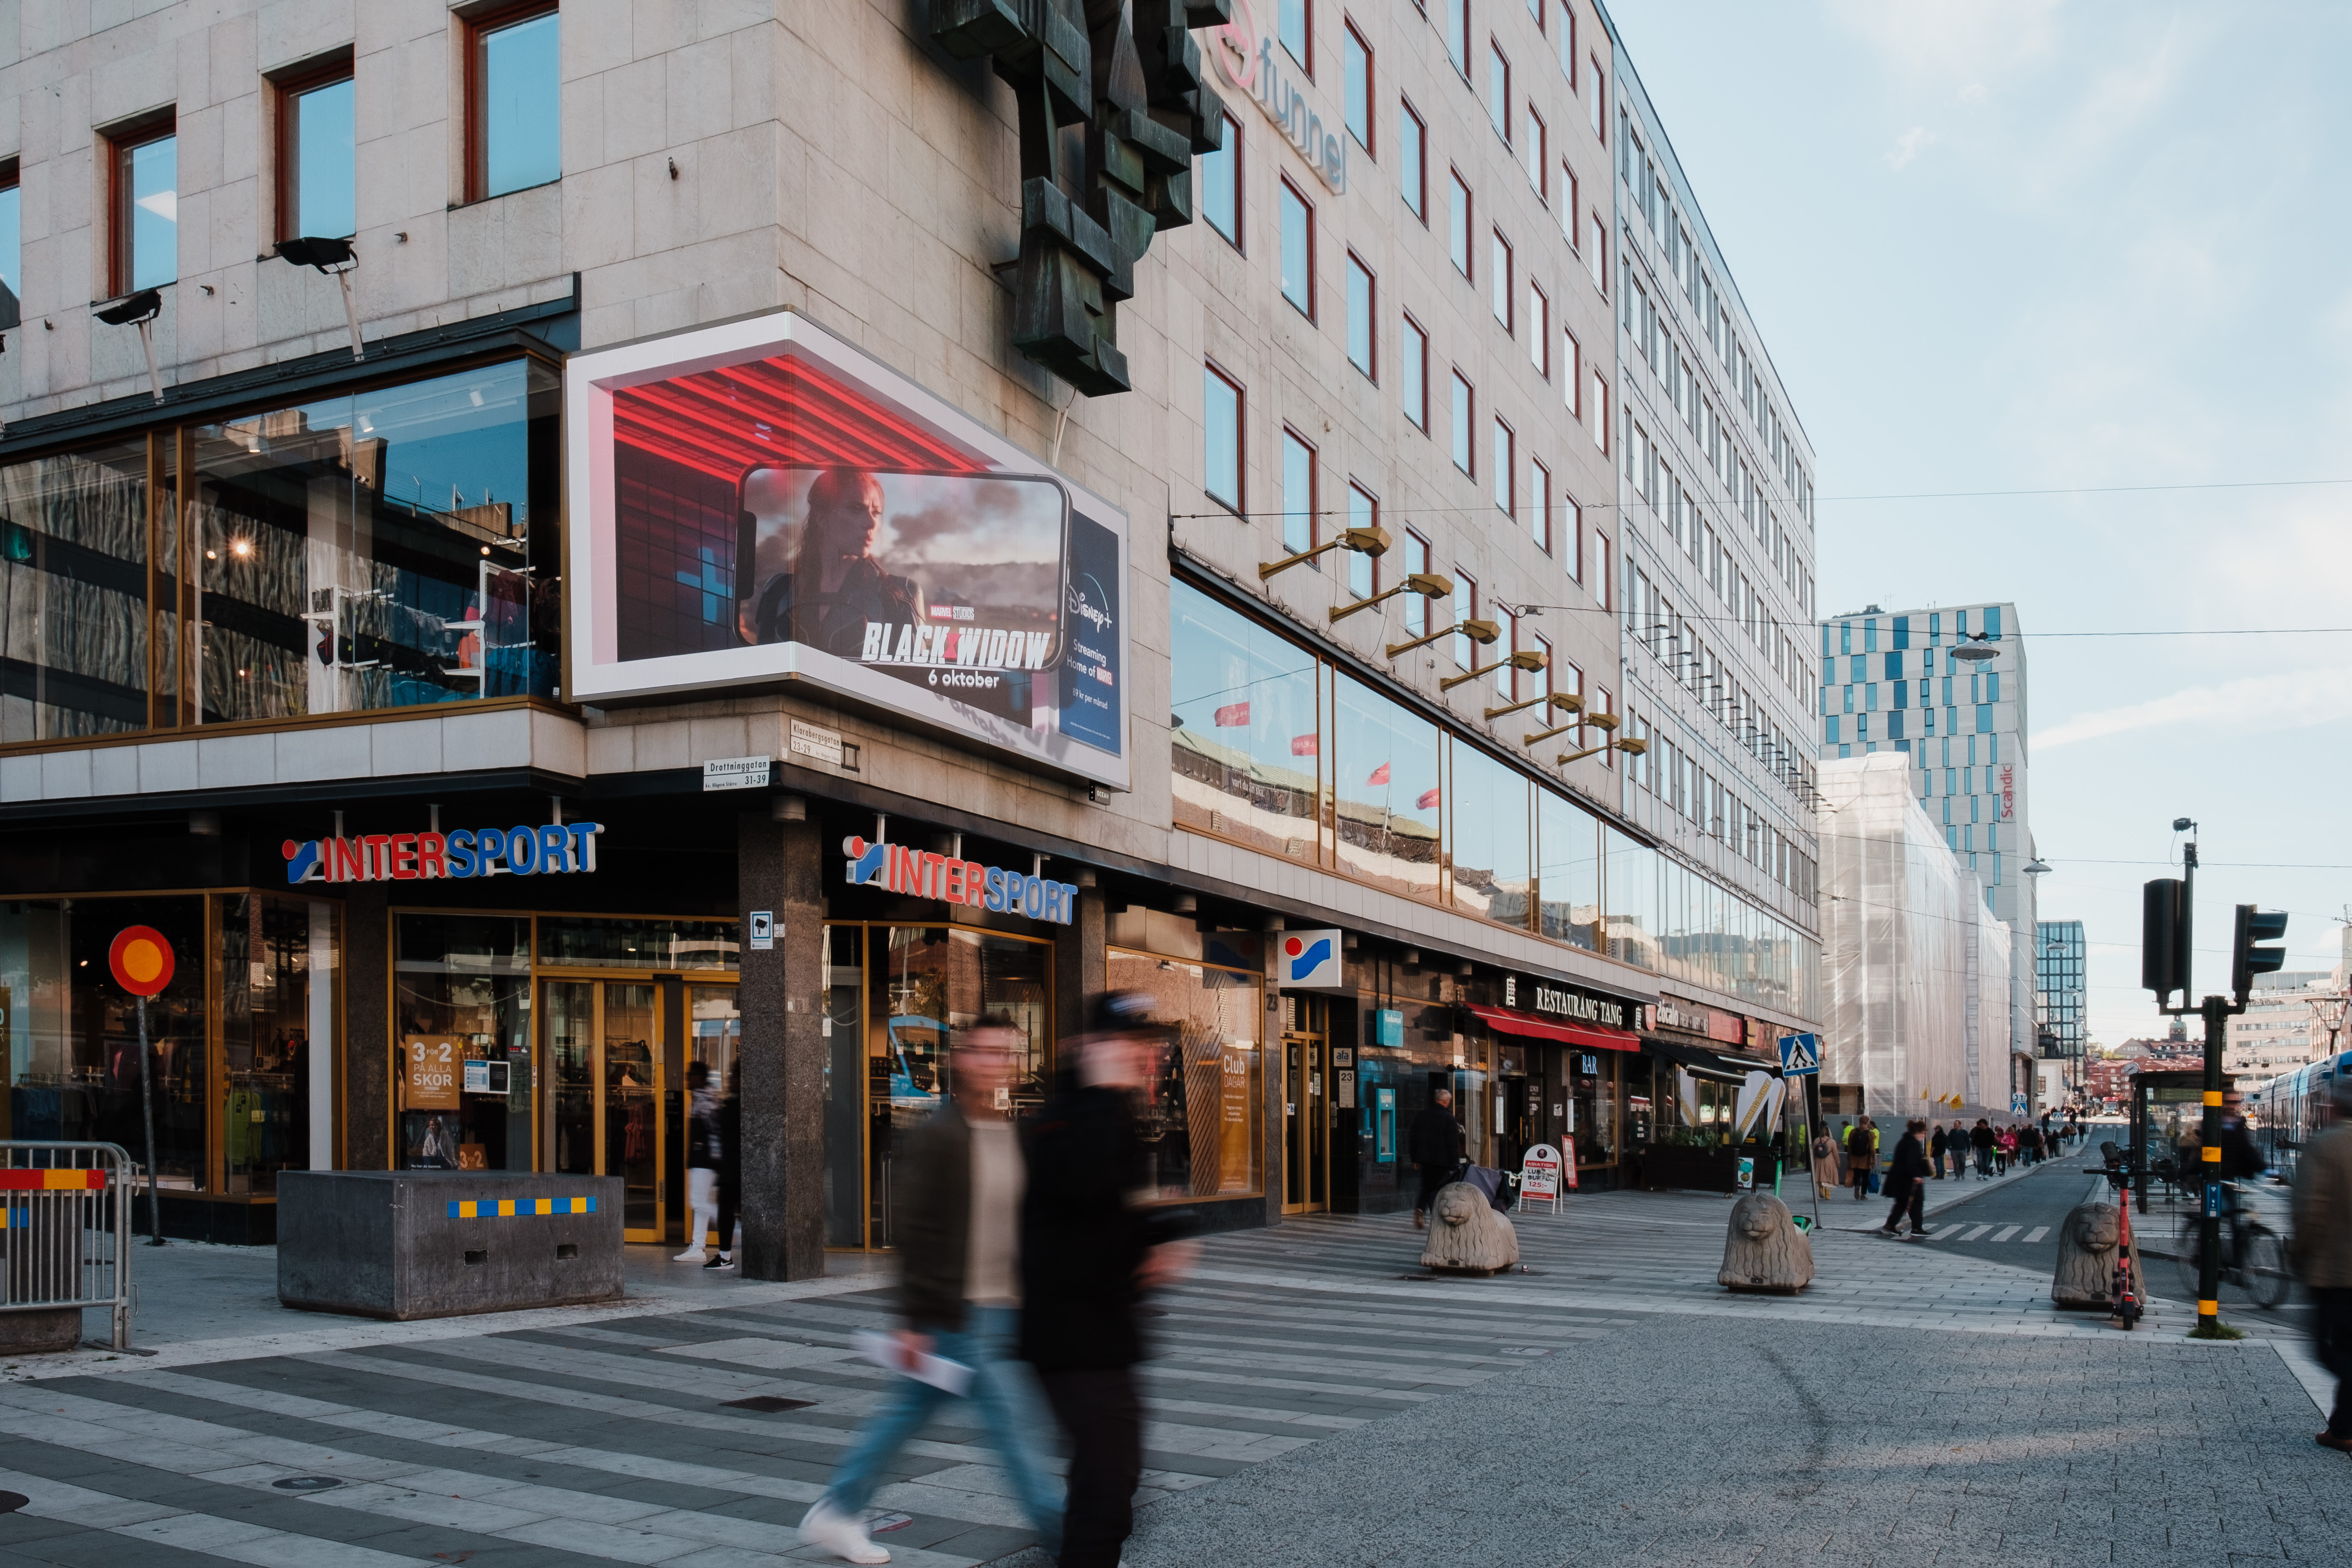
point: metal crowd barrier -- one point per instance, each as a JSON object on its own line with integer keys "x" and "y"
{"x": 65, "y": 1229}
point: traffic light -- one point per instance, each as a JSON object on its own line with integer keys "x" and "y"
{"x": 2164, "y": 939}
{"x": 2246, "y": 960}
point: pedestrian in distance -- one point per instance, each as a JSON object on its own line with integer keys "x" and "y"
{"x": 1937, "y": 1146}
{"x": 1861, "y": 1153}
{"x": 2320, "y": 1251}
{"x": 701, "y": 1161}
{"x": 1906, "y": 1183}
{"x": 1980, "y": 1139}
{"x": 1090, "y": 1249}
{"x": 1825, "y": 1161}
{"x": 1435, "y": 1146}
{"x": 961, "y": 1177}
{"x": 730, "y": 1128}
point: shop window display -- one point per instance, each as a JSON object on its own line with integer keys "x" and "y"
{"x": 1593, "y": 1106}
{"x": 277, "y": 977}
{"x": 71, "y": 1034}
{"x": 1202, "y": 1124}
{"x": 461, "y": 1006}
{"x": 572, "y": 942}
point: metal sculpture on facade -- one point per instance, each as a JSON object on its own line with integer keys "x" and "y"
{"x": 1129, "y": 73}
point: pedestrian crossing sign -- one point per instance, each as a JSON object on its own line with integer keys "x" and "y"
{"x": 2017, "y": 1105}
{"x": 1800, "y": 1055}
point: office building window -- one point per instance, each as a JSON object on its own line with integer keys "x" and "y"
{"x": 1600, "y": 573}
{"x": 1291, "y": 19}
{"x": 1457, "y": 34}
{"x": 1599, "y": 414}
{"x": 1568, "y": 208}
{"x": 1831, "y": 730}
{"x": 1567, "y": 33}
{"x": 1465, "y": 610}
{"x": 1538, "y": 144}
{"x": 1539, "y": 504}
{"x": 1572, "y": 373}
{"x": 146, "y": 208}
{"x": 12, "y": 247}
{"x": 1356, "y": 70}
{"x": 1506, "y": 643}
{"x": 1538, "y": 330}
{"x": 1500, "y": 281}
{"x": 1412, "y": 160}
{"x": 1457, "y": 221}
{"x": 1299, "y": 530}
{"x": 1361, "y": 303}
{"x": 1220, "y": 426}
{"x": 1596, "y": 254}
{"x": 1298, "y": 250}
{"x": 1505, "y": 468}
{"x": 1498, "y": 91}
{"x": 1607, "y": 704}
{"x": 1363, "y": 571}
{"x": 1572, "y": 536}
{"x": 1413, "y": 359}
{"x": 1594, "y": 100}
{"x": 1463, "y": 459}
{"x": 1220, "y": 185}
{"x": 1416, "y": 563}
{"x": 513, "y": 100}
{"x": 317, "y": 155}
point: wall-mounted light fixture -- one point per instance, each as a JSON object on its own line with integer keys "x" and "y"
{"x": 1479, "y": 632}
{"x": 1372, "y": 542}
{"x": 1567, "y": 702}
{"x": 1428, "y": 584}
{"x": 1531, "y": 661}
{"x": 139, "y": 310}
{"x": 335, "y": 258}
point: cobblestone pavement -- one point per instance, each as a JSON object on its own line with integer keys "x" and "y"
{"x": 1313, "y": 1400}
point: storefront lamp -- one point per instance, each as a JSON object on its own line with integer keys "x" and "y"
{"x": 1479, "y": 632}
{"x": 139, "y": 310}
{"x": 1372, "y": 542}
{"x": 1566, "y": 702}
{"x": 1428, "y": 584}
{"x": 333, "y": 258}
{"x": 1531, "y": 661}
{"x": 1627, "y": 745}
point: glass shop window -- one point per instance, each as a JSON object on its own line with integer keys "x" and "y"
{"x": 1386, "y": 799}
{"x": 74, "y": 645}
{"x": 277, "y": 987}
{"x": 1568, "y": 871}
{"x": 1202, "y": 1120}
{"x": 568, "y": 942}
{"x": 1244, "y": 747}
{"x": 71, "y": 1034}
{"x": 461, "y": 1042}
{"x": 377, "y": 550}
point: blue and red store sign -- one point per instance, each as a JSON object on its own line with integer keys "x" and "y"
{"x": 524, "y": 851}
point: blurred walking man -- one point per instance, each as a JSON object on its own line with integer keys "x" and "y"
{"x": 1435, "y": 1146}
{"x": 2322, "y": 1253}
{"x": 960, "y": 1179}
{"x": 1091, "y": 1246}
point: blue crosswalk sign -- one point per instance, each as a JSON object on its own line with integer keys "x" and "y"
{"x": 1800, "y": 1055}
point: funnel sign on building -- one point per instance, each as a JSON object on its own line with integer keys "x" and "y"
{"x": 1252, "y": 62}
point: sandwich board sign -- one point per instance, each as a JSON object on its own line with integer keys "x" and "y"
{"x": 1540, "y": 1170}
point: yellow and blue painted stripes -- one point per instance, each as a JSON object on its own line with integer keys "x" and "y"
{"x": 504, "y": 1208}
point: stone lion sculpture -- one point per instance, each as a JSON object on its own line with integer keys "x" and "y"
{"x": 1764, "y": 1251}
{"x": 1467, "y": 1235}
{"x": 2086, "y": 1258}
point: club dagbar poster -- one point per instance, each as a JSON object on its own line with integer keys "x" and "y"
{"x": 765, "y": 504}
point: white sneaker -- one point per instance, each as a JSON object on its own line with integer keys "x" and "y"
{"x": 691, "y": 1255}
{"x": 846, "y": 1538}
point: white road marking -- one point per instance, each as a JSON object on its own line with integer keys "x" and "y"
{"x": 2037, "y": 1233}
{"x": 1974, "y": 1234}
{"x": 2007, "y": 1231}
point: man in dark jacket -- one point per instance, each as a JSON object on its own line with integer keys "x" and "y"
{"x": 1937, "y": 1145}
{"x": 1091, "y": 1245}
{"x": 960, "y": 1185}
{"x": 1981, "y": 1140}
{"x": 1434, "y": 1146}
{"x": 1904, "y": 1177}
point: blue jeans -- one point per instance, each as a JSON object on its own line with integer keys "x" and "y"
{"x": 1003, "y": 1402}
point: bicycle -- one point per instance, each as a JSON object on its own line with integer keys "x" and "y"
{"x": 2254, "y": 1258}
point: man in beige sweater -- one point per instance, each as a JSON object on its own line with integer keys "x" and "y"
{"x": 2322, "y": 1252}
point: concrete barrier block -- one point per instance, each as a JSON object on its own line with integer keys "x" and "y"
{"x": 441, "y": 1243}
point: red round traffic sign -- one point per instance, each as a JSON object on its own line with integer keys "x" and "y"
{"x": 141, "y": 960}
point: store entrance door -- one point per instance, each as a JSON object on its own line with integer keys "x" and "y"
{"x": 601, "y": 1040}
{"x": 1307, "y": 1105}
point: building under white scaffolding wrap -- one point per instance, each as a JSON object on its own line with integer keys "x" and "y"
{"x": 1914, "y": 967}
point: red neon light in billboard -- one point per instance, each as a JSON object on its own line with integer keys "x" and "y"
{"x": 775, "y": 411}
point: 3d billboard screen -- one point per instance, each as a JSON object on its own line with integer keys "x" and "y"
{"x": 759, "y": 503}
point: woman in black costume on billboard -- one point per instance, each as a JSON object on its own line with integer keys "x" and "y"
{"x": 834, "y": 587}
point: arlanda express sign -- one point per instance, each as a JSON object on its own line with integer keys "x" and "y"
{"x": 919, "y": 873}
{"x": 524, "y": 851}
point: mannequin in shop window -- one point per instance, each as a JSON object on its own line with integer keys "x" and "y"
{"x": 701, "y": 1162}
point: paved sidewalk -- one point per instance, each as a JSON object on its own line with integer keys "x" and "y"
{"x": 1313, "y": 1398}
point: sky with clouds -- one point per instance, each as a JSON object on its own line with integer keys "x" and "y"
{"x": 2073, "y": 245}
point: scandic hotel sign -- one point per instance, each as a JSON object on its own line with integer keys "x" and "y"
{"x": 758, "y": 504}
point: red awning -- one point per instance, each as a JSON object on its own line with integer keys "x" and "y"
{"x": 1592, "y": 1037}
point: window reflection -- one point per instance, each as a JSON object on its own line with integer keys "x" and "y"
{"x": 73, "y": 594}
{"x": 1570, "y": 871}
{"x": 374, "y": 550}
{"x": 1202, "y": 1116}
{"x": 1489, "y": 846}
{"x": 1386, "y": 798}
{"x": 1245, "y": 738}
